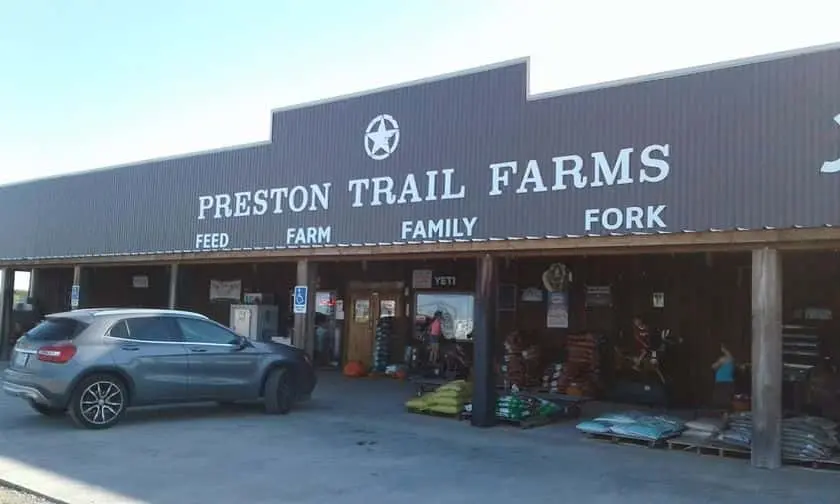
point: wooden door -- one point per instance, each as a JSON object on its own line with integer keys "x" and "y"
{"x": 366, "y": 307}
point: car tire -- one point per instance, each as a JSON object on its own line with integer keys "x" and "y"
{"x": 98, "y": 402}
{"x": 278, "y": 392}
{"x": 47, "y": 411}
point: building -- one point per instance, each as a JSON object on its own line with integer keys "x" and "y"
{"x": 694, "y": 183}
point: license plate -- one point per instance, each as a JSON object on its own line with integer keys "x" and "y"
{"x": 21, "y": 359}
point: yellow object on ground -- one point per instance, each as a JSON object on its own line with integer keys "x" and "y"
{"x": 448, "y": 399}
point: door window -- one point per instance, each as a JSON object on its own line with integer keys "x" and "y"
{"x": 153, "y": 329}
{"x": 456, "y": 312}
{"x": 201, "y": 331}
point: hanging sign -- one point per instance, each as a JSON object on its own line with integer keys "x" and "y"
{"x": 557, "y": 278}
{"x": 598, "y": 296}
{"x": 659, "y": 300}
{"x": 421, "y": 279}
{"x": 444, "y": 281}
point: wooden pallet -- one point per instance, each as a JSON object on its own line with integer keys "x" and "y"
{"x": 832, "y": 464}
{"x": 703, "y": 447}
{"x": 438, "y": 414}
{"x": 627, "y": 440}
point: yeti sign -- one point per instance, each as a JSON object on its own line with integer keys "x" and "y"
{"x": 473, "y": 158}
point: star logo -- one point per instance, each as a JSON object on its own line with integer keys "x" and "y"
{"x": 832, "y": 166}
{"x": 382, "y": 137}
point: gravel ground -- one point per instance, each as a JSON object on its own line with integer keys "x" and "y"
{"x": 9, "y": 496}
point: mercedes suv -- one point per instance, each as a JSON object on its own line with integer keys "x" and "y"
{"x": 92, "y": 364}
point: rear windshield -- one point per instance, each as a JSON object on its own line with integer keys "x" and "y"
{"x": 56, "y": 329}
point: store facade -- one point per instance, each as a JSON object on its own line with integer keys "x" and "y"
{"x": 432, "y": 189}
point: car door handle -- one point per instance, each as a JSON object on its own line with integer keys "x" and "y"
{"x": 130, "y": 348}
{"x": 198, "y": 350}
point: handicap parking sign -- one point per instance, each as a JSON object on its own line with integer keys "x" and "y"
{"x": 301, "y": 295}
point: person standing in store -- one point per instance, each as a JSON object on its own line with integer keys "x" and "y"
{"x": 724, "y": 369}
{"x": 435, "y": 335}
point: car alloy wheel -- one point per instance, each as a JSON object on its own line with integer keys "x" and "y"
{"x": 99, "y": 402}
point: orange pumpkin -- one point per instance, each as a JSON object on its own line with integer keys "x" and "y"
{"x": 354, "y": 369}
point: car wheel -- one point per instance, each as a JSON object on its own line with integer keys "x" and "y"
{"x": 278, "y": 392}
{"x": 47, "y": 411}
{"x": 98, "y": 402}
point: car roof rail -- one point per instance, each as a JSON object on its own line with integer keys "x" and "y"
{"x": 145, "y": 311}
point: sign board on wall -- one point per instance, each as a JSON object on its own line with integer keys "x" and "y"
{"x": 140, "y": 281}
{"x": 421, "y": 279}
{"x": 401, "y": 166}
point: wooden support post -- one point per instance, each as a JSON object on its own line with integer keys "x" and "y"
{"x": 173, "y": 286}
{"x": 304, "y": 336}
{"x": 484, "y": 343}
{"x": 766, "y": 358}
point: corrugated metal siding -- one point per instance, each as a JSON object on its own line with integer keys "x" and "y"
{"x": 746, "y": 145}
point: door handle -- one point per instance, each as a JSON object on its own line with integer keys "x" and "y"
{"x": 198, "y": 350}
{"x": 130, "y": 348}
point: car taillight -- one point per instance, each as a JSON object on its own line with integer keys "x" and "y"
{"x": 58, "y": 354}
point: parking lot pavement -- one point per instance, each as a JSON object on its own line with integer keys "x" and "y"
{"x": 354, "y": 442}
{"x": 10, "y": 496}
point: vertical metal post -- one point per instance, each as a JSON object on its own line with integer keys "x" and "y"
{"x": 76, "y": 290}
{"x": 173, "y": 286}
{"x": 7, "y": 292}
{"x": 766, "y": 358}
{"x": 484, "y": 343}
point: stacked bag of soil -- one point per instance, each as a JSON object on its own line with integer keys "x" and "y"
{"x": 513, "y": 369}
{"x": 704, "y": 428}
{"x": 381, "y": 344}
{"x": 581, "y": 371}
{"x": 448, "y": 399}
{"x": 515, "y": 408}
{"x": 551, "y": 378}
{"x": 634, "y": 425}
{"x": 803, "y": 438}
{"x": 809, "y": 438}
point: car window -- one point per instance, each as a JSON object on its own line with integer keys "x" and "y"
{"x": 145, "y": 329}
{"x": 56, "y": 329}
{"x": 201, "y": 331}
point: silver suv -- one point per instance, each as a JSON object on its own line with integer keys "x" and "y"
{"x": 95, "y": 363}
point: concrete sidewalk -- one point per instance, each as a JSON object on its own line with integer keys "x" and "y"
{"x": 353, "y": 441}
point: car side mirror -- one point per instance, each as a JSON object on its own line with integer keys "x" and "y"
{"x": 242, "y": 343}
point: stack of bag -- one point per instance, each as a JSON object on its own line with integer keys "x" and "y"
{"x": 513, "y": 368}
{"x": 704, "y": 428}
{"x": 634, "y": 425}
{"x": 581, "y": 371}
{"x": 382, "y": 342}
{"x": 448, "y": 399}
{"x": 803, "y": 438}
{"x": 517, "y": 407}
{"x": 551, "y": 378}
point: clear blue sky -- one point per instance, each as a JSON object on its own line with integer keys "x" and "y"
{"x": 87, "y": 84}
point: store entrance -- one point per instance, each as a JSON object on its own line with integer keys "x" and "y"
{"x": 374, "y": 309}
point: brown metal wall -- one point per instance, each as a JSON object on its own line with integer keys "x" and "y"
{"x": 113, "y": 287}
